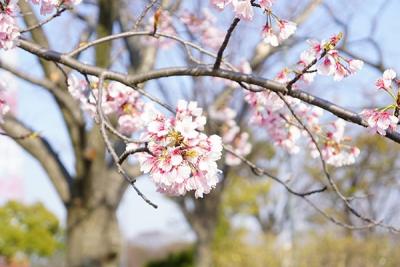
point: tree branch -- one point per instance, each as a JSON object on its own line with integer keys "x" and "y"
{"x": 42, "y": 151}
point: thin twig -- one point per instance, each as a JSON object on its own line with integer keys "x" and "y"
{"x": 221, "y": 50}
{"x": 40, "y": 24}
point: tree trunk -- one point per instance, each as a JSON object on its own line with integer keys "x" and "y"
{"x": 203, "y": 257}
{"x": 93, "y": 236}
{"x": 203, "y": 220}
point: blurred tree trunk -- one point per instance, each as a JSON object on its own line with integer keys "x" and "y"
{"x": 203, "y": 250}
{"x": 202, "y": 215}
{"x": 93, "y": 237}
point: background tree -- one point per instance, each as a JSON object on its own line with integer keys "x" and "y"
{"x": 28, "y": 232}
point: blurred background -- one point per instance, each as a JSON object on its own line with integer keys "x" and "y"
{"x": 247, "y": 220}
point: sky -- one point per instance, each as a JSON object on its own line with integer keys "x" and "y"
{"x": 36, "y": 108}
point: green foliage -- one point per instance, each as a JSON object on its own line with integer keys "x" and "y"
{"x": 230, "y": 247}
{"x": 181, "y": 259}
{"x": 28, "y": 230}
{"x": 331, "y": 250}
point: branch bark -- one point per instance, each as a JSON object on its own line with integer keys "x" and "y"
{"x": 42, "y": 151}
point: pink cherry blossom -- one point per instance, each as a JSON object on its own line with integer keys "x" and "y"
{"x": 266, "y": 3}
{"x": 380, "y": 121}
{"x": 269, "y": 36}
{"x": 118, "y": 99}
{"x": 286, "y": 29}
{"x": 220, "y": 4}
{"x": 355, "y": 65}
{"x": 10, "y": 7}
{"x": 204, "y": 27}
{"x": 48, "y": 6}
{"x": 9, "y": 31}
{"x": 181, "y": 157}
{"x": 334, "y": 150}
{"x": 231, "y": 134}
{"x": 243, "y": 9}
{"x": 327, "y": 66}
{"x": 241, "y": 146}
{"x": 385, "y": 82}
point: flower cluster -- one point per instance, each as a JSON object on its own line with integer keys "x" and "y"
{"x": 334, "y": 150}
{"x": 284, "y": 29}
{"x": 270, "y": 112}
{"x": 275, "y": 29}
{"x": 118, "y": 99}
{"x": 204, "y": 28}
{"x": 331, "y": 63}
{"x": 381, "y": 120}
{"x": 387, "y": 80}
{"x": 48, "y": 6}
{"x": 231, "y": 134}
{"x": 320, "y": 58}
{"x": 9, "y": 31}
{"x": 181, "y": 158}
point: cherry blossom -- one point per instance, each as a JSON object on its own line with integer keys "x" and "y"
{"x": 241, "y": 146}
{"x": 243, "y": 9}
{"x": 10, "y": 7}
{"x": 118, "y": 99}
{"x": 220, "y": 4}
{"x": 9, "y": 31}
{"x": 285, "y": 30}
{"x": 269, "y": 36}
{"x": 380, "y": 121}
{"x": 48, "y": 6}
{"x": 231, "y": 134}
{"x": 181, "y": 157}
{"x": 327, "y": 61}
{"x": 334, "y": 150}
{"x": 204, "y": 28}
{"x": 385, "y": 82}
{"x": 266, "y": 3}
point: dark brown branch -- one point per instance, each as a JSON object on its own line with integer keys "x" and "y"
{"x": 221, "y": 50}
{"x": 127, "y": 153}
{"x": 133, "y": 80}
